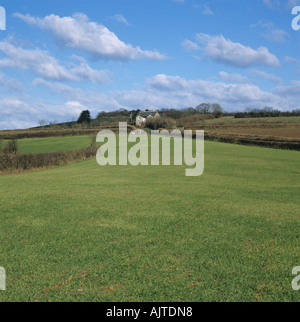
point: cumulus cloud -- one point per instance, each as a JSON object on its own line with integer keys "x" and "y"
{"x": 228, "y": 52}
{"x": 165, "y": 91}
{"x": 163, "y": 82}
{"x": 268, "y": 30}
{"x": 233, "y": 78}
{"x": 91, "y": 98}
{"x": 232, "y": 91}
{"x": 293, "y": 89}
{"x": 293, "y": 60}
{"x": 174, "y": 91}
{"x": 11, "y": 84}
{"x": 266, "y": 76}
{"x": 41, "y": 63}
{"x": 189, "y": 45}
{"x": 79, "y": 33}
{"x": 19, "y": 113}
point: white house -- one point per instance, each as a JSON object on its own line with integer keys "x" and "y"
{"x": 142, "y": 117}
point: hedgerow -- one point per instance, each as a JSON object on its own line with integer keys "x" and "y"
{"x": 20, "y": 162}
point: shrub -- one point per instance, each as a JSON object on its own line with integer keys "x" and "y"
{"x": 11, "y": 147}
{"x": 168, "y": 122}
{"x": 160, "y": 122}
{"x": 151, "y": 123}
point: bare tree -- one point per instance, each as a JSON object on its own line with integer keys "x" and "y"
{"x": 217, "y": 110}
{"x": 42, "y": 122}
{"x": 204, "y": 108}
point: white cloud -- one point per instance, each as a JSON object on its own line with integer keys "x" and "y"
{"x": 43, "y": 64}
{"x": 11, "y": 84}
{"x": 91, "y": 98}
{"x": 165, "y": 91}
{"x": 177, "y": 92}
{"x": 290, "y": 59}
{"x": 276, "y": 35}
{"x": 13, "y": 123}
{"x": 18, "y": 113}
{"x": 271, "y": 3}
{"x": 206, "y": 10}
{"x": 120, "y": 18}
{"x": 234, "y": 93}
{"x": 293, "y": 89}
{"x": 167, "y": 83}
{"x": 280, "y": 4}
{"x": 295, "y": 61}
{"x": 204, "y": 7}
{"x": 225, "y": 51}
{"x": 268, "y": 30}
{"x": 189, "y": 45}
{"x": 78, "y": 32}
{"x": 233, "y": 78}
{"x": 266, "y": 76}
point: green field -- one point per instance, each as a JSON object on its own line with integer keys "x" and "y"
{"x": 55, "y": 144}
{"x": 86, "y": 233}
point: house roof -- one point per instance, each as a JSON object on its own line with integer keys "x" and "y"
{"x": 145, "y": 114}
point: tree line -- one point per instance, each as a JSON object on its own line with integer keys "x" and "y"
{"x": 209, "y": 110}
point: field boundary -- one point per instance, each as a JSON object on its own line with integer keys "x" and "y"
{"x": 10, "y": 163}
{"x": 30, "y": 134}
{"x": 263, "y": 141}
{"x": 234, "y": 138}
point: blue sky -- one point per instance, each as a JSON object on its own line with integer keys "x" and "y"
{"x": 58, "y": 58}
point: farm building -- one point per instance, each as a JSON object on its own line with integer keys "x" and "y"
{"x": 143, "y": 116}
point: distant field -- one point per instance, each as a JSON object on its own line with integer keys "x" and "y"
{"x": 86, "y": 233}
{"x": 274, "y": 131}
{"x": 56, "y": 144}
{"x": 281, "y": 132}
{"x": 260, "y": 119}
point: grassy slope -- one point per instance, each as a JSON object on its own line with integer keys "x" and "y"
{"x": 83, "y": 232}
{"x": 56, "y": 144}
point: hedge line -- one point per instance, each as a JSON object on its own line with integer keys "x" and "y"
{"x": 269, "y": 142}
{"x": 15, "y": 134}
{"x": 10, "y": 162}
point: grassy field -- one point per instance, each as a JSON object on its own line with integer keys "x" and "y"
{"x": 232, "y": 119}
{"x": 54, "y": 144}
{"x": 86, "y": 233}
{"x": 287, "y": 132}
{"x": 273, "y": 131}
